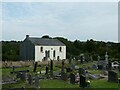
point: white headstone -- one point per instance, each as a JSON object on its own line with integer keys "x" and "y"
{"x": 98, "y": 58}
{"x": 106, "y": 57}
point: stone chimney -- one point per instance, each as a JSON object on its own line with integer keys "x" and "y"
{"x": 27, "y": 36}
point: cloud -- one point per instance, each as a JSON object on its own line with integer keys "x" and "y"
{"x": 72, "y": 20}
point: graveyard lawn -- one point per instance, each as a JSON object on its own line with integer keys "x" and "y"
{"x": 102, "y": 83}
{"x": 6, "y": 71}
{"x": 62, "y": 84}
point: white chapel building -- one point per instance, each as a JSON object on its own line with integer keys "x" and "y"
{"x": 41, "y": 49}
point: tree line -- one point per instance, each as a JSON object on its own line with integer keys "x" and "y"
{"x": 10, "y": 49}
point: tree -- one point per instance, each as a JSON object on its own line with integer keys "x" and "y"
{"x": 46, "y": 36}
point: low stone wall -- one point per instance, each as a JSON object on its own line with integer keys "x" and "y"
{"x": 26, "y": 63}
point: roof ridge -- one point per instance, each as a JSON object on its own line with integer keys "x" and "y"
{"x": 46, "y": 41}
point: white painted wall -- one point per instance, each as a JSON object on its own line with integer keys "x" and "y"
{"x": 40, "y": 55}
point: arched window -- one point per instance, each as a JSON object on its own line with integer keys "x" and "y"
{"x": 41, "y": 49}
{"x": 60, "y": 49}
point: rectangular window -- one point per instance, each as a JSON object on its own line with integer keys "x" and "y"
{"x": 54, "y": 53}
{"x": 60, "y": 49}
{"x": 48, "y": 54}
{"x": 41, "y": 49}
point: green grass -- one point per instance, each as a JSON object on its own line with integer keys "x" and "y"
{"x": 100, "y": 83}
{"x": 95, "y": 71}
{"x": 63, "y": 84}
{"x": 6, "y": 71}
{"x": 19, "y": 84}
{"x": 103, "y": 84}
{"x": 56, "y": 84}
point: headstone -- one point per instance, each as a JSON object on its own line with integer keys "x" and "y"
{"x": 94, "y": 66}
{"x": 30, "y": 80}
{"x": 72, "y": 78}
{"x": 82, "y": 81}
{"x": 106, "y": 57}
{"x": 109, "y": 65}
{"x": 51, "y": 65}
{"x": 51, "y": 68}
{"x": 37, "y": 82}
{"x": 62, "y": 66}
{"x": 47, "y": 69}
{"x": 76, "y": 67}
{"x": 98, "y": 58}
{"x": 81, "y": 58}
{"x": 112, "y": 76}
{"x": 22, "y": 76}
{"x": 100, "y": 67}
{"x": 63, "y": 74}
{"x": 35, "y": 67}
{"x": 70, "y": 60}
{"x": 18, "y": 75}
{"x": 68, "y": 69}
{"x": 40, "y": 69}
{"x": 73, "y": 66}
{"x": 13, "y": 69}
{"x": 81, "y": 71}
{"x": 91, "y": 58}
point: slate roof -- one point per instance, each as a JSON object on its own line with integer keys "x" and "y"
{"x": 46, "y": 42}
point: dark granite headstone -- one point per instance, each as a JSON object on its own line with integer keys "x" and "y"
{"x": 72, "y": 78}
{"x": 47, "y": 69}
{"x": 100, "y": 67}
{"x": 82, "y": 81}
{"x": 63, "y": 74}
{"x": 81, "y": 71}
{"x": 109, "y": 65}
{"x": 51, "y": 65}
{"x": 62, "y": 66}
{"x": 35, "y": 67}
{"x": 68, "y": 69}
{"x": 81, "y": 59}
{"x": 112, "y": 76}
{"x": 51, "y": 68}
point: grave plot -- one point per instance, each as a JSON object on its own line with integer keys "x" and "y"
{"x": 64, "y": 76}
